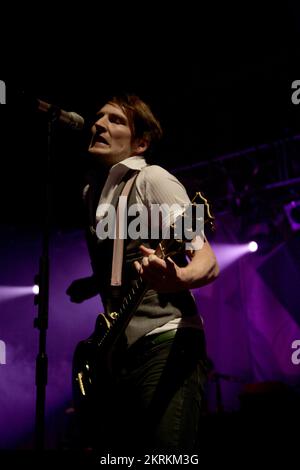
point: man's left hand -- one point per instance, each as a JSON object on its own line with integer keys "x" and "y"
{"x": 161, "y": 275}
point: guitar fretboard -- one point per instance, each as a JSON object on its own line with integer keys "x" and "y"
{"x": 133, "y": 297}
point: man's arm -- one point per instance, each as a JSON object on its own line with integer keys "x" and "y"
{"x": 157, "y": 186}
{"x": 202, "y": 269}
{"x": 83, "y": 289}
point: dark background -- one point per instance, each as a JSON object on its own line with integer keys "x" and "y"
{"x": 219, "y": 78}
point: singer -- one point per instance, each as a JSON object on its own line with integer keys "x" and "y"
{"x": 153, "y": 397}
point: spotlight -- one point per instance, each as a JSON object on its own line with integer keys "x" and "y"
{"x": 252, "y": 246}
{"x": 264, "y": 233}
{"x": 35, "y": 289}
{"x": 292, "y": 210}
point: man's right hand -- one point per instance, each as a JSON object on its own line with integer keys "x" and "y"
{"x": 82, "y": 289}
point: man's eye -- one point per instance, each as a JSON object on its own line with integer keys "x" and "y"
{"x": 117, "y": 120}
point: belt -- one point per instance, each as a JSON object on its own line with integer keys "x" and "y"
{"x": 151, "y": 340}
{"x": 159, "y": 338}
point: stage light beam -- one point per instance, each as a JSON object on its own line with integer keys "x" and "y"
{"x": 13, "y": 292}
{"x": 229, "y": 253}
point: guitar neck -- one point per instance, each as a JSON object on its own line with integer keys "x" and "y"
{"x": 133, "y": 298}
{"x": 135, "y": 295}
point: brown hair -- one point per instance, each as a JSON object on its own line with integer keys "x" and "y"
{"x": 142, "y": 122}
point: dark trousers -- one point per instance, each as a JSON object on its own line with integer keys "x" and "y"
{"x": 157, "y": 400}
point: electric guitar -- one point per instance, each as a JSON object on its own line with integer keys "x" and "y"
{"x": 95, "y": 354}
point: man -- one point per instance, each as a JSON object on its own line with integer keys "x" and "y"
{"x": 155, "y": 397}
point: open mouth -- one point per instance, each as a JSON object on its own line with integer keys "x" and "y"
{"x": 100, "y": 139}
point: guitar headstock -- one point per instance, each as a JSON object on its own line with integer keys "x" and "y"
{"x": 208, "y": 216}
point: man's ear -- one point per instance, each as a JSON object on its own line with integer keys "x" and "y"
{"x": 141, "y": 146}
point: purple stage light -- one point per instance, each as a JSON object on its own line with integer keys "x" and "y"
{"x": 35, "y": 289}
{"x": 292, "y": 211}
{"x": 252, "y": 246}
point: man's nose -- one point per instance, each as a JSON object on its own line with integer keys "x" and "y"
{"x": 101, "y": 123}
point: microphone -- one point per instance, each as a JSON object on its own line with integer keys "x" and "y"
{"x": 70, "y": 119}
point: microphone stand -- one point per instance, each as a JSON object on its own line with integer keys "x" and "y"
{"x": 42, "y": 299}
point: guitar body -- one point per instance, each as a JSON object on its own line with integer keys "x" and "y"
{"x": 94, "y": 380}
{"x": 94, "y": 357}
{"x": 84, "y": 370}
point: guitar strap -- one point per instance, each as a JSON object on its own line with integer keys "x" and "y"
{"x": 118, "y": 249}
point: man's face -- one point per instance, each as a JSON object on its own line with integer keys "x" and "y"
{"x": 112, "y": 137}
